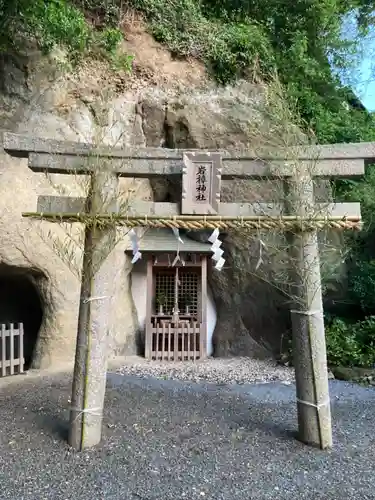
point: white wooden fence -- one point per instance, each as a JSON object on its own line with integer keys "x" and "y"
{"x": 11, "y": 349}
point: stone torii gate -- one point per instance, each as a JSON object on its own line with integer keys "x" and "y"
{"x": 201, "y": 173}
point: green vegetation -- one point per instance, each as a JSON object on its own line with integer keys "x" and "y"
{"x": 234, "y": 38}
{"x": 351, "y": 344}
{"x": 297, "y": 38}
{"x": 58, "y": 23}
{"x": 359, "y": 300}
{"x": 54, "y": 22}
{"x": 245, "y": 38}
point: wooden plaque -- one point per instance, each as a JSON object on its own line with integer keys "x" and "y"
{"x": 201, "y": 182}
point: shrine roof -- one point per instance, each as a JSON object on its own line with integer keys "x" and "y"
{"x": 164, "y": 240}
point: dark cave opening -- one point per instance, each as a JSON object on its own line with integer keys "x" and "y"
{"x": 20, "y": 302}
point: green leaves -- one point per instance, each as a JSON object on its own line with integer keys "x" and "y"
{"x": 362, "y": 284}
{"x": 51, "y": 23}
{"x": 236, "y": 50}
{"x": 299, "y": 39}
{"x": 351, "y": 344}
{"x": 110, "y": 39}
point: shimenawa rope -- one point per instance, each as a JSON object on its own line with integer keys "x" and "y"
{"x": 286, "y": 223}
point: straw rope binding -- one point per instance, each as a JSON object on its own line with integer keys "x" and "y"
{"x": 197, "y": 222}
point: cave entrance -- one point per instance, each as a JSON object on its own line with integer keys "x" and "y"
{"x": 20, "y": 302}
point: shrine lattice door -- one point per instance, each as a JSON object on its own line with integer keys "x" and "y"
{"x": 176, "y": 326}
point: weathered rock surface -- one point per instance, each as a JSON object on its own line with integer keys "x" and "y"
{"x": 89, "y": 106}
{"x": 25, "y": 244}
{"x": 252, "y": 315}
{"x": 355, "y": 374}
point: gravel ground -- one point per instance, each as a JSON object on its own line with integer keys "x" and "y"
{"x": 167, "y": 440}
{"x": 213, "y": 370}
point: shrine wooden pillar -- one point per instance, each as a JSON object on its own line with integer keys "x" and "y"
{"x": 204, "y": 292}
{"x": 149, "y": 307}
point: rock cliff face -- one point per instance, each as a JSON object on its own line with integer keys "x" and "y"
{"x": 33, "y": 105}
{"x": 140, "y": 110}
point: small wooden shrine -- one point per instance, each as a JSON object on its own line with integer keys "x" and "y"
{"x": 176, "y": 310}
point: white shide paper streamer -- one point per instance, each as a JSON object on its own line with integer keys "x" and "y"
{"x": 260, "y": 260}
{"x": 176, "y": 232}
{"x": 135, "y": 246}
{"x": 217, "y": 251}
